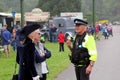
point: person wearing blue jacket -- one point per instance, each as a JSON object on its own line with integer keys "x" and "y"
{"x": 6, "y": 40}
{"x": 41, "y": 54}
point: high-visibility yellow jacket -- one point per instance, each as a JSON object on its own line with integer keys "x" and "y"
{"x": 90, "y": 44}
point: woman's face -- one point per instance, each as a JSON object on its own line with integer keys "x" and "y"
{"x": 35, "y": 36}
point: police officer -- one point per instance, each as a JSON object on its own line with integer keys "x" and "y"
{"x": 83, "y": 70}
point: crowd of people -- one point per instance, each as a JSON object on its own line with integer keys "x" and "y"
{"x": 105, "y": 29}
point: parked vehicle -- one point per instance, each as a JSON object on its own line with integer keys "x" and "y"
{"x": 64, "y": 24}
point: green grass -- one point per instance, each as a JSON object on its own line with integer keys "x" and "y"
{"x": 56, "y": 64}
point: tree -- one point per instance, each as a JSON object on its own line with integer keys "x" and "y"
{"x": 105, "y": 9}
{"x": 58, "y": 6}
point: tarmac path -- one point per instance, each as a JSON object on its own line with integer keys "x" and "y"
{"x": 107, "y": 66}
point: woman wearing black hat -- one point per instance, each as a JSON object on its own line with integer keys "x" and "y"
{"x": 25, "y": 53}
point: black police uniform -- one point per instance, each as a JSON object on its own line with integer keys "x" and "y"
{"x": 80, "y": 69}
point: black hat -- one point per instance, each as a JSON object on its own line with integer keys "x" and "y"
{"x": 80, "y": 22}
{"x": 30, "y": 28}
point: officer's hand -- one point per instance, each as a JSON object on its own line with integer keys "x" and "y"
{"x": 88, "y": 69}
{"x": 68, "y": 43}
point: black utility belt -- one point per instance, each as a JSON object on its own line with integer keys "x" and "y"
{"x": 82, "y": 62}
{"x": 80, "y": 65}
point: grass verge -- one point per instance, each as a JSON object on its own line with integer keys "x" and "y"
{"x": 56, "y": 64}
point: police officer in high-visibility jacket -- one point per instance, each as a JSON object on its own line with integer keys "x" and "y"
{"x": 83, "y": 70}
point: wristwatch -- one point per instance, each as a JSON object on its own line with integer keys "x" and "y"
{"x": 91, "y": 64}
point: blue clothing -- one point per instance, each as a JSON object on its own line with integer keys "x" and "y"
{"x": 19, "y": 37}
{"x": 6, "y": 36}
{"x": 92, "y": 29}
{"x": 39, "y": 59}
{"x": 102, "y": 30}
{"x": 14, "y": 44}
{"x": 54, "y": 34}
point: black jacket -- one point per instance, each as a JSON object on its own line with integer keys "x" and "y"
{"x": 25, "y": 58}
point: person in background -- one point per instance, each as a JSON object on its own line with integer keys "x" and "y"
{"x": 106, "y": 32}
{"x": 97, "y": 31}
{"x": 6, "y": 40}
{"x": 13, "y": 43}
{"x": 61, "y": 40}
{"x": 25, "y": 53}
{"x": 50, "y": 32}
{"x": 54, "y": 33}
{"x": 92, "y": 30}
{"x": 110, "y": 31}
{"x": 84, "y": 53}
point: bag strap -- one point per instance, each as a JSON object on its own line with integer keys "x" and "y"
{"x": 15, "y": 68}
{"x": 81, "y": 39}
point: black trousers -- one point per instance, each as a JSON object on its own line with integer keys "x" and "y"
{"x": 61, "y": 47}
{"x": 44, "y": 77}
{"x": 81, "y": 73}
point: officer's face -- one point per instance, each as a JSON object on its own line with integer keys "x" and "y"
{"x": 79, "y": 28}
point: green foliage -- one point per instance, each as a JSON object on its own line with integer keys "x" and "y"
{"x": 105, "y": 9}
{"x": 1, "y": 6}
{"x": 7, "y": 65}
{"x": 58, "y": 6}
{"x": 15, "y": 4}
{"x": 57, "y": 63}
